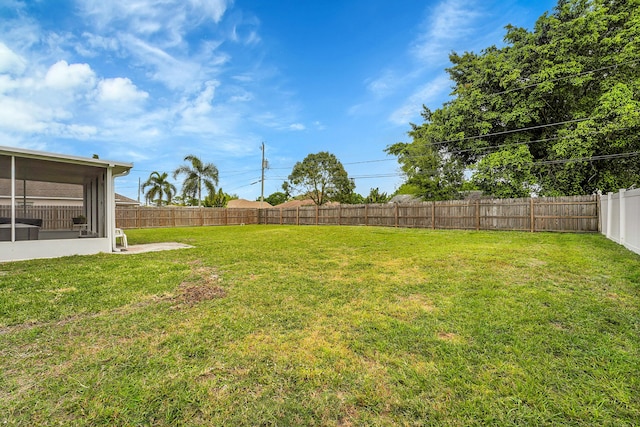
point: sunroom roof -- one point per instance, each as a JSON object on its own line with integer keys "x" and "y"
{"x": 51, "y": 167}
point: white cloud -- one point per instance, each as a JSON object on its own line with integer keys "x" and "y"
{"x": 241, "y": 95}
{"x": 133, "y": 51}
{"x": 61, "y": 101}
{"x": 154, "y": 36}
{"x": 201, "y": 105}
{"x": 380, "y": 86}
{"x": 297, "y": 126}
{"x": 215, "y": 124}
{"x": 448, "y": 24}
{"x": 412, "y": 107}
{"x": 169, "y": 18}
{"x": 244, "y": 78}
{"x": 213, "y": 9}
{"x": 253, "y": 38}
{"x": 11, "y": 62}
{"x": 173, "y": 72}
{"x": 120, "y": 90}
{"x": 77, "y": 131}
{"x": 21, "y": 116}
{"x": 62, "y": 76}
{"x": 95, "y": 44}
{"x": 451, "y": 20}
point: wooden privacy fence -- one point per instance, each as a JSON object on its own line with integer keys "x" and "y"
{"x": 574, "y": 214}
{"x": 53, "y": 217}
{"x": 570, "y": 214}
{"x": 176, "y": 216}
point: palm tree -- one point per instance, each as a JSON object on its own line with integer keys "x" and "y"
{"x": 197, "y": 173}
{"x": 159, "y": 188}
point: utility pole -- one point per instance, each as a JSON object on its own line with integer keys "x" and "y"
{"x": 262, "y": 179}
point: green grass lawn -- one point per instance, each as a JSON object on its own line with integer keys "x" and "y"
{"x": 278, "y": 325}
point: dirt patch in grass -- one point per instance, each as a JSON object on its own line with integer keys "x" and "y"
{"x": 450, "y": 337}
{"x": 192, "y": 294}
{"x": 202, "y": 285}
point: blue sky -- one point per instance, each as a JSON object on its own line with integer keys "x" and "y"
{"x": 149, "y": 81}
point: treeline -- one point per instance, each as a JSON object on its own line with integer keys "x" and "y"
{"x": 554, "y": 112}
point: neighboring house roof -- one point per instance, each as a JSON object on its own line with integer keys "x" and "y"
{"x": 123, "y": 200}
{"x": 295, "y": 203}
{"x": 52, "y": 191}
{"x": 242, "y": 203}
{"x": 38, "y": 189}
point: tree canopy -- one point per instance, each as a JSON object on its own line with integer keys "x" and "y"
{"x": 322, "y": 177}
{"x": 159, "y": 187}
{"x": 375, "y": 196}
{"x": 197, "y": 174}
{"x": 555, "y": 111}
{"x": 219, "y": 199}
{"x": 275, "y": 198}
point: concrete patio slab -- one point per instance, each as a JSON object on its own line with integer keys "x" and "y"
{"x": 152, "y": 247}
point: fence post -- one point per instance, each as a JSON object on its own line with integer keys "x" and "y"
{"x": 433, "y": 215}
{"x": 609, "y": 212}
{"x": 532, "y": 213}
{"x": 477, "y": 215}
{"x": 297, "y": 215}
{"x": 317, "y": 214}
{"x": 339, "y": 214}
{"x": 366, "y": 217}
{"x": 396, "y": 215}
{"x": 623, "y": 218}
{"x": 598, "y": 215}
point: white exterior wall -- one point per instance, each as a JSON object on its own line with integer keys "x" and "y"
{"x": 620, "y": 218}
{"x": 33, "y": 249}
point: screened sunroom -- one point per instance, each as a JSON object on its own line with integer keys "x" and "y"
{"x": 55, "y": 205}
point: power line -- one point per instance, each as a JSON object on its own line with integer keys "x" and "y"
{"x": 538, "y": 163}
{"x": 226, "y": 173}
{"x": 470, "y": 138}
{"x": 588, "y": 159}
{"x": 253, "y": 181}
{"x": 512, "y": 131}
{"x": 454, "y": 152}
{"x": 584, "y": 73}
{"x": 382, "y": 175}
{"x": 554, "y": 138}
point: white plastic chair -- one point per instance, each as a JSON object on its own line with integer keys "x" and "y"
{"x": 123, "y": 238}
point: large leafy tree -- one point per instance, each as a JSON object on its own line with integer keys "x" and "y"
{"x": 322, "y": 177}
{"x": 430, "y": 173}
{"x": 276, "y": 198}
{"x": 197, "y": 173}
{"x": 158, "y": 188}
{"x": 219, "y": 199}
{"x": 556, "y": 111}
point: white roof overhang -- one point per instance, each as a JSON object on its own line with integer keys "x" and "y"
{"x": 51, "y": 167}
